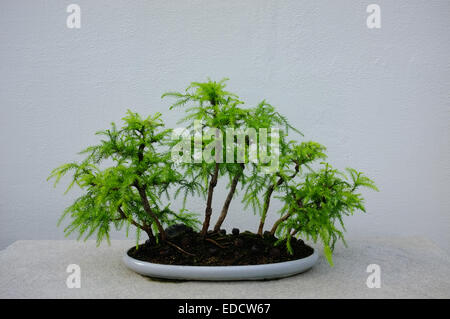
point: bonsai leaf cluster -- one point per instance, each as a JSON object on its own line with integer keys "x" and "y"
{"x": 132, "y": 175}
{"x": 129, "y": 191}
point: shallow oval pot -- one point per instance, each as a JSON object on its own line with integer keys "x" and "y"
{"x": 250, "y": 272}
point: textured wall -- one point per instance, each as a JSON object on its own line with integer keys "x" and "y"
{"x": 377, "y": 98}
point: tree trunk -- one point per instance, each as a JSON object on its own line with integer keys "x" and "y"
{"x": 269, "y": 194}
{"x": 265, "y": 209}
{"x": 226, "y": 205}
{"x": 285, "y": 217}
{"x": 208, "y": 210}
{"x": 278, "y": 222}
{"x": 148, "y": 209}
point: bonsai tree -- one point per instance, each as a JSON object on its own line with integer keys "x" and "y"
{"x": 312, "y": 207}
{"x": 128, "y": 192}
{"x": 218, "y": 111}
{"x": 248, "y": 146}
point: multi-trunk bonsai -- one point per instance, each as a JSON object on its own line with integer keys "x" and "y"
{"x": 132, "y": 175}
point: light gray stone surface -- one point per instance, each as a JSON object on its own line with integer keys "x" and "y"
{"x": 410, "y": 268}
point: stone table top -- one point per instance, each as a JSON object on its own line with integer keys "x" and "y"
{"x": 410, "y": 267}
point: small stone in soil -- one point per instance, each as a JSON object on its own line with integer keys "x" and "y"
{"x": 235, "y": 231}
{"x": 223, "y": 232}
{"x": 267, "y": 234}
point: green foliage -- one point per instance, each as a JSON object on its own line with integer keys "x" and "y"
{"x": 317, "y": 205}
{"x": 112, "y": 193}
{"x": 214, "y": 108}
{"x": 132, "y": 190}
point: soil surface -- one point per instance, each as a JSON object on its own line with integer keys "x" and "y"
{"x": 186, "y": 247}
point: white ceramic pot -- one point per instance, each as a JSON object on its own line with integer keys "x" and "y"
{"x": 250, "y": 272}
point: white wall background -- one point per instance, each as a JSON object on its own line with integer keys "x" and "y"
{"x": 378, "y": 99}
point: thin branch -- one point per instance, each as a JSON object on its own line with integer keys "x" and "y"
{"x": 284, "y": 218}
{"x": 278, "y": 222}
{"x": 226, "y": 205}
{"x": 148, "y": 209}
{"x": 269, "y": 195}
{"x": 123, "y": 216}
{"x": 144, "y": 227}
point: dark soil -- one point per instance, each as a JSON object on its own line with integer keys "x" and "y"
{"x": 186, "y": 247}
